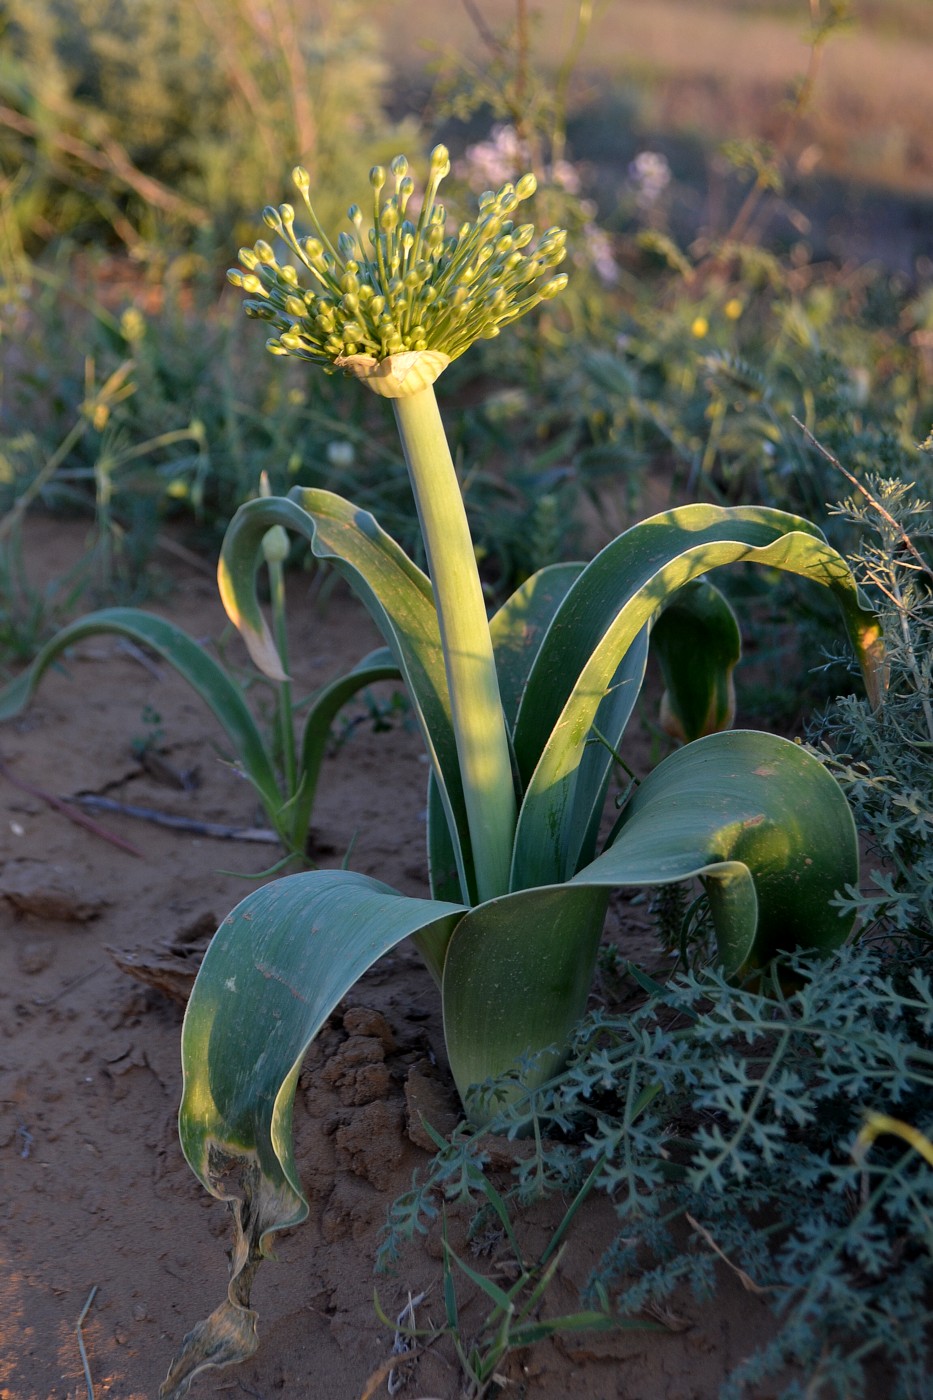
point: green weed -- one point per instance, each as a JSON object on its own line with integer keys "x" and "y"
{"x": 736, "y": 1112}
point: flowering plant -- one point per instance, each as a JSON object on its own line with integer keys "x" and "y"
{"x": 521, "y": 717}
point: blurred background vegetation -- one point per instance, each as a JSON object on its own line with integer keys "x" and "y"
{"x": 747, "y": 185}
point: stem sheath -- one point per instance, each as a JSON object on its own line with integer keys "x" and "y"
{"x": 478, "y": 720}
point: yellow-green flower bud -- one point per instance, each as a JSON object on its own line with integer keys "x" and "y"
{"x": 554, "y": 287}
{"x": 440, "y": 161}
{"x": 313, "y": 257}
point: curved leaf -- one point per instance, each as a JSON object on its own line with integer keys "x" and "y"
{"x": 763, "y": 823}
{"x": 602, "y": 614}
{"x": 275, "y": 969}
{"x": 516, "y": 980}
{"x": 195, "y": 665}
{"x": 518, "y": 631}
{"x": 697, "y": 642}
{"x": 520, "y": 625}
{"x": 399, "y": 599}
{"x": 591, "y": 782}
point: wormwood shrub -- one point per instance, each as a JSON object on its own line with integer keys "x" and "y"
{"x": 736, "y": 1111}
{"x": 882, "y": 758}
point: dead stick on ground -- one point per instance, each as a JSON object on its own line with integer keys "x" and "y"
{"x": 68, "y": 811}
{"x": 84, "y": 1361}
{"x": 198, "y": 828}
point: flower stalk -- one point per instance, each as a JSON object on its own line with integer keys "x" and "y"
{"x": 479, "y": 724}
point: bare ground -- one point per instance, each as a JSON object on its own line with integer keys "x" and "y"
{"x": 96, "y": 1194}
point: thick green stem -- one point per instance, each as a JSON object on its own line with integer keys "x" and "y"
{"x": 479, "y": 724}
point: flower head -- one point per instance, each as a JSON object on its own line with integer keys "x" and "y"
{"x": 405, "y": 286}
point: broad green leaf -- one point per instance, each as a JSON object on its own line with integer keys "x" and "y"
{"x": 599, "y": 620}
{"x": 516, "y": 980}
{"x": 398, "y": 596}
{"x": 598, "y": 758}
{"x": 519, "y": 628}
{"x": 195, "y": 665}
{"x": 697, "y": 642}
{"x": 275, "y": 969}
{"x": 518, "y": 631}
{"x": 756, "y": 817}
{"x": 765, "y": 826}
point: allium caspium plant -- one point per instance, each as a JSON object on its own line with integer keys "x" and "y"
{"x": 521, "y": 717}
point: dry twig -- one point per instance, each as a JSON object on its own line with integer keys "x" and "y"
{"x": 747, "y": 1282}
{"x": 81, "y": 1348}
{"x": 217, "y": 830}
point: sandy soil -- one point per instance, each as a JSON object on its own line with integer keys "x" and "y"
{"x": 96, "y": 1197}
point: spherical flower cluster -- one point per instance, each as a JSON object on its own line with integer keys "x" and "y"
{"x": 406, "y": 284}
